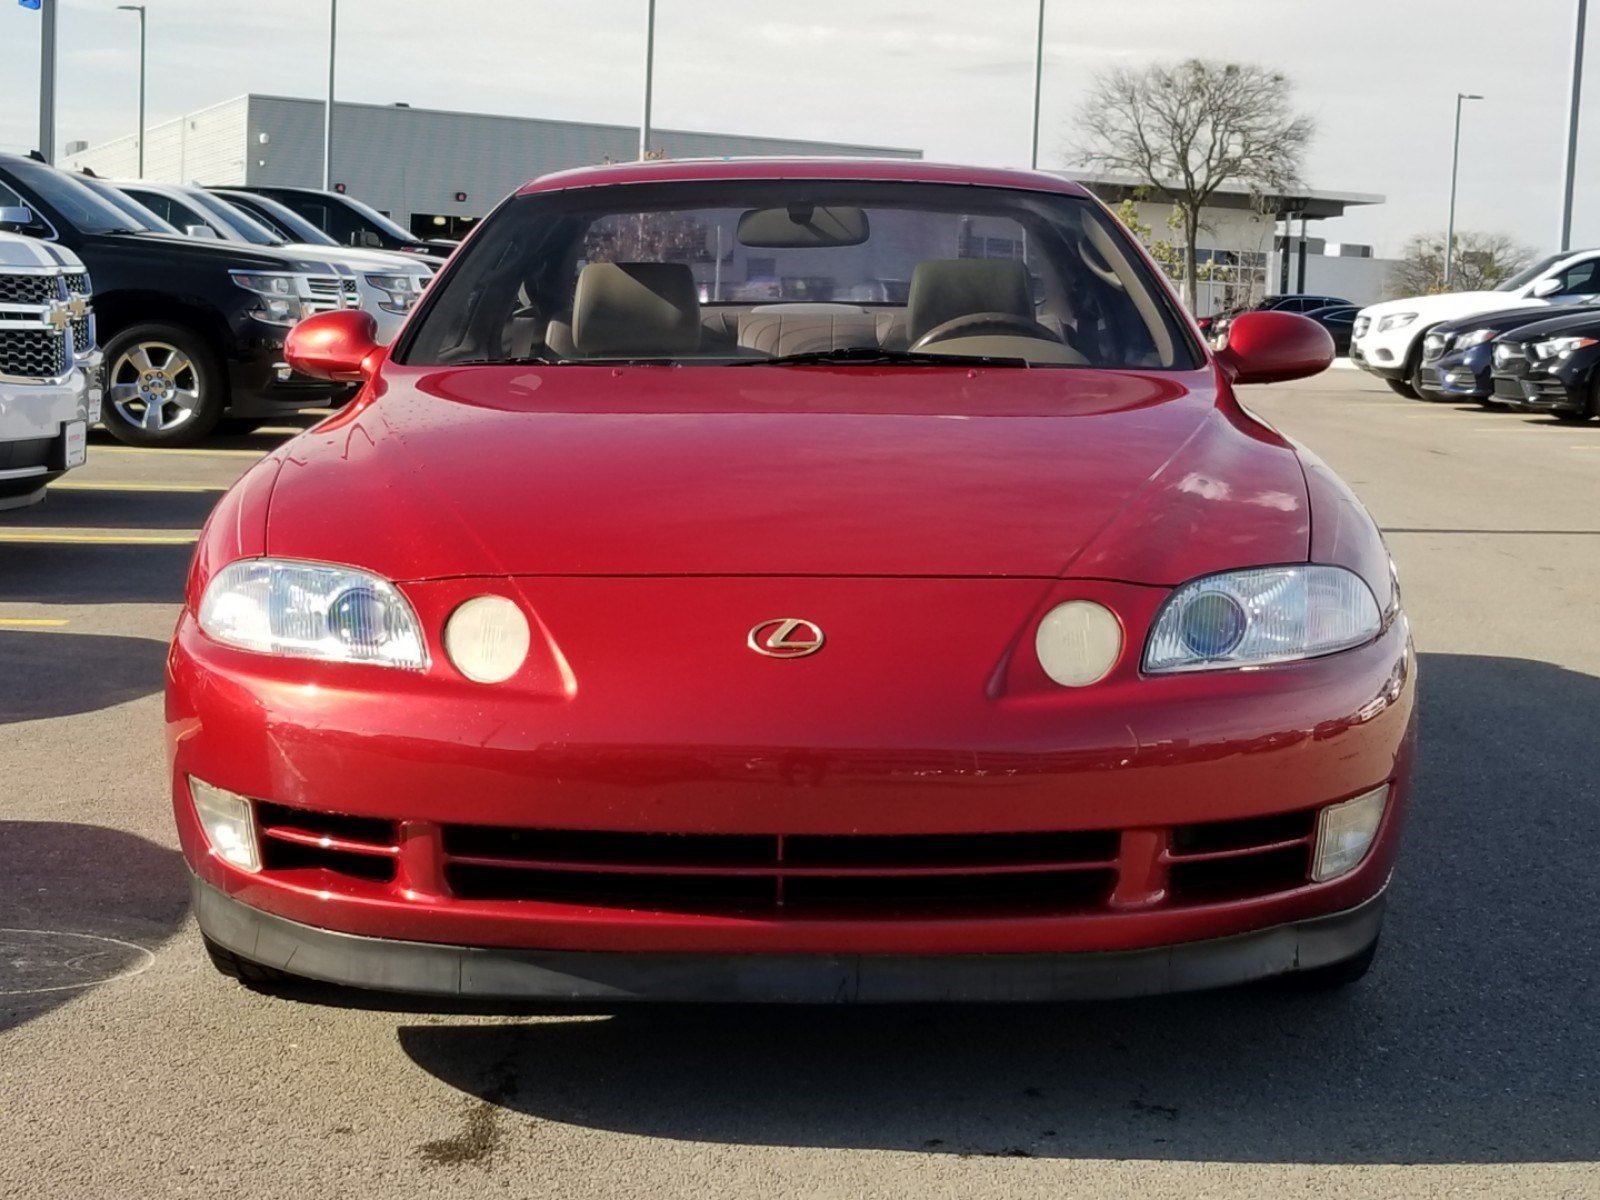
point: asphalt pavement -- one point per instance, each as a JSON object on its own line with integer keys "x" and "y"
{"x": 1467, "y": 1064}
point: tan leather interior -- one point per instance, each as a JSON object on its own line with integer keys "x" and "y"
{"x": 944, "y": 289}
{"x": 635, "y": 308}
{"x": 806, "y": 332}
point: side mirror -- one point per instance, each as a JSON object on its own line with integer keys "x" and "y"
{"x": 1274, "y": 347}
{"x": 1545, "y": 288}
{"x": 370, "y": 240}
{"x": 340, "y": 346}
{"x": 18, "y": 215}
{"x": 202, "y": 231}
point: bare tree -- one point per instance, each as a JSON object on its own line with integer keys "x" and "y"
{"x": 1186, "y": 130}
{"x": 1482, "y": 260}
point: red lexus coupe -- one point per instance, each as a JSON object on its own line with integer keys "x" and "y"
{"x": 793, "y": 581}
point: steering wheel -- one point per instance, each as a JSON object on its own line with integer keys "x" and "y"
{"x": 979, "y": 323}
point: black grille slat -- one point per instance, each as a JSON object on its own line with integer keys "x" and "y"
{"x": 1215, "y": 836}
{"x": 374, "y": 830}
{"x": 33, "y": 353}
{"x": 1214, "y": 881}
{"x": 29, "y": 289}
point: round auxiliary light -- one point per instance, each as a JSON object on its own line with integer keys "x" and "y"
{"x": 1078, "y": 643}
{"x": 487, "y": 639}
{"x": 1213, "y": 624}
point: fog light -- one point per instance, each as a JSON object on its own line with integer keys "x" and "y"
{"x": 1345, "y": 832}
{"x": 487, "y": 639}
{"x": 229, "y": 822}
{"x": 1078, "y": 642}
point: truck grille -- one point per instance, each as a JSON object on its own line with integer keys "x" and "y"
{"x": 350, "y": 293}
{"x": 29, "y": 289}
{"x": 33, "y": 353}
{"x": 798, "y": 875}
{"x": 77, "y": 283}
{"x": 325, "y": 293}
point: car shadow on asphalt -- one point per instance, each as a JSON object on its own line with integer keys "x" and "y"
{"x": 80, "y": 905}
{"x": 130, "y": 509}
{"x": 81, "y": 573}
{"x": 50, "y": 674}
{"x": 1474, "y": 1040}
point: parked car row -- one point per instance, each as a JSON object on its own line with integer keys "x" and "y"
{"x": 1504, "y": 346}
{"x": 194, "y": 292}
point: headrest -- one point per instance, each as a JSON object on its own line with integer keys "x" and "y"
{"x": 943, "y": 289}
{"x": 635, "y": 308}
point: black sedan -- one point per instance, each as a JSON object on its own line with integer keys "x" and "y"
{"x": 1338, "y": 320}
{"x": 1552, "y": 366}
{"x": 1457, "y": 355}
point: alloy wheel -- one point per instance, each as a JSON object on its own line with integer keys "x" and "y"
{"x": 154, "y": 386}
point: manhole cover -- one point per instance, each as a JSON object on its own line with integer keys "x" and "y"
{"x": 45, "y": 960}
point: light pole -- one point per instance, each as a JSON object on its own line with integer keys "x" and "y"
{"x": 649, "y": 73}
{"x": 139, "y": 8}
{"x": 1038, "y": 80}
{"x": 1455, "y": 170}
{"x": 47, "y": 80}
{"x": 327, "y": 112}
{"x": 1572, "y": 126}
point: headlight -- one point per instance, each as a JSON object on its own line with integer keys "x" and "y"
{"x": 1271, "y": 615}
{"x": 1506, "y": 352}
{"x": 1476, "y": 338}
{"x": 1561, "y": 347}
{"x": 311, "y": 610}
{"x": 1395, "y": 321}
{"x": 280, "y": 296}
{"x": 400, "y": 292}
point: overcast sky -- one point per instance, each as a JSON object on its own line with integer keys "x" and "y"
{"x": 950, "y": 77}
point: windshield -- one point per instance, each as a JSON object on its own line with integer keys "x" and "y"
{"x": 746, "y": 272}
{"x": 1528, "y": 274}
{"x": 377, "y": 218}
{"x": 81, "y": 208}
{"x": 284, "y": 221}
{"x": 220, "y": 213}
{"x": 128, "y": 206}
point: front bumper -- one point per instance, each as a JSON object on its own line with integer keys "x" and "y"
{"x": 475, "y": 972}
{"x": 1180, "y": 807}
{"x": 34, "y": 421}
{"x": 260, "y": 383}
{"x": 1459, "y": 375}
{"x": 1384, "y": 354}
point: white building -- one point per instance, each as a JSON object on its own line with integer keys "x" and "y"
{"x": 433, "y": 171}
{"x": 1243, "y": 238}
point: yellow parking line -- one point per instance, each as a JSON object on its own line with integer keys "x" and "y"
{"x": 100, "y": 539}
{"x": 32, "y": 622}
{"x": 97, "y": 450}
{"x": 99, "y": 485}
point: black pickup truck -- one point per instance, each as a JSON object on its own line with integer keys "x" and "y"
{"x": 192, "y": 330}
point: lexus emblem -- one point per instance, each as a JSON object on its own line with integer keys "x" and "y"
{"x": 785, "y": 637}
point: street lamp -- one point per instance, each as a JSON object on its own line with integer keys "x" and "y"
{"x": 139, "y": 8}
{"x": 1038, "y": 80}
{"x": 1455, "y": 170}
{"x": 649, "y": 74}
{"x": 327, "y": 112}
{"x": 1572, "y": 126}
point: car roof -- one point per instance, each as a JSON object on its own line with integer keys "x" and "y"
{"x": 875, "y": 169}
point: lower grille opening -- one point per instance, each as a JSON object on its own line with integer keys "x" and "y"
{"x": 1218, "y": 836}
{"x": 1215, "y": 880}
{"x": 605, "y": 889}
{"x": 375, "y": 830}
{"x": 291, "y": 856}
{"x": 1055, "y": 892}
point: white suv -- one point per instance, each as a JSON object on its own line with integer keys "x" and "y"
{"x": 49, "y": 367}
{"x": 1387, "y": 339}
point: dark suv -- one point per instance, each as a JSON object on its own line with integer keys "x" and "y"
{"x": 192, "y": 330}
{"x": 350, "y": 222}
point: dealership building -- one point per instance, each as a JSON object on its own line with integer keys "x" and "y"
{"x": 433, "y": 171}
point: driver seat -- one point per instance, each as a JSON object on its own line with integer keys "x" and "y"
{"x": 944, "y": 289}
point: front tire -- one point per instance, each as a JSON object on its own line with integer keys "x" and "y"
{"x": 1401, "y": 388}
{"x": 164, "y": 386}
{"x": 252, "y": 974}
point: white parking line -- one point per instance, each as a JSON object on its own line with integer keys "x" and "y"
{"x": 49, "y": 538}
{"x": 95, "y": 451}
{"x": 98, "y": 485}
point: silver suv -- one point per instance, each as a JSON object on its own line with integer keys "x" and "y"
{"x": 49, "y": 366}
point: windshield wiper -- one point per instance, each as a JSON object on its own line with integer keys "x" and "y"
{"x": 869, "y": 355}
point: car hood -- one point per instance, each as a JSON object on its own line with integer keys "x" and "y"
{"x": 1452, "y": 305}
{"x": 1499, "y": 319}
{"x": 389, "y": 261}
{"x": 238, "y": 255}
{"x": 656, "y": 471}
{"x": 1583, "y": 322}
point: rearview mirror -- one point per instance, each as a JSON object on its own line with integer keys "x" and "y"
{"x": 1545, "y": 287}
{"x": 1274, "y": 347}
{"x": 340, "y": 346}
{"x": 19, "y": 215}
{"x": 802, "y": 224}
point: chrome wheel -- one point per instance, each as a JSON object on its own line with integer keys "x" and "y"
{"x": 154, "y": 386}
